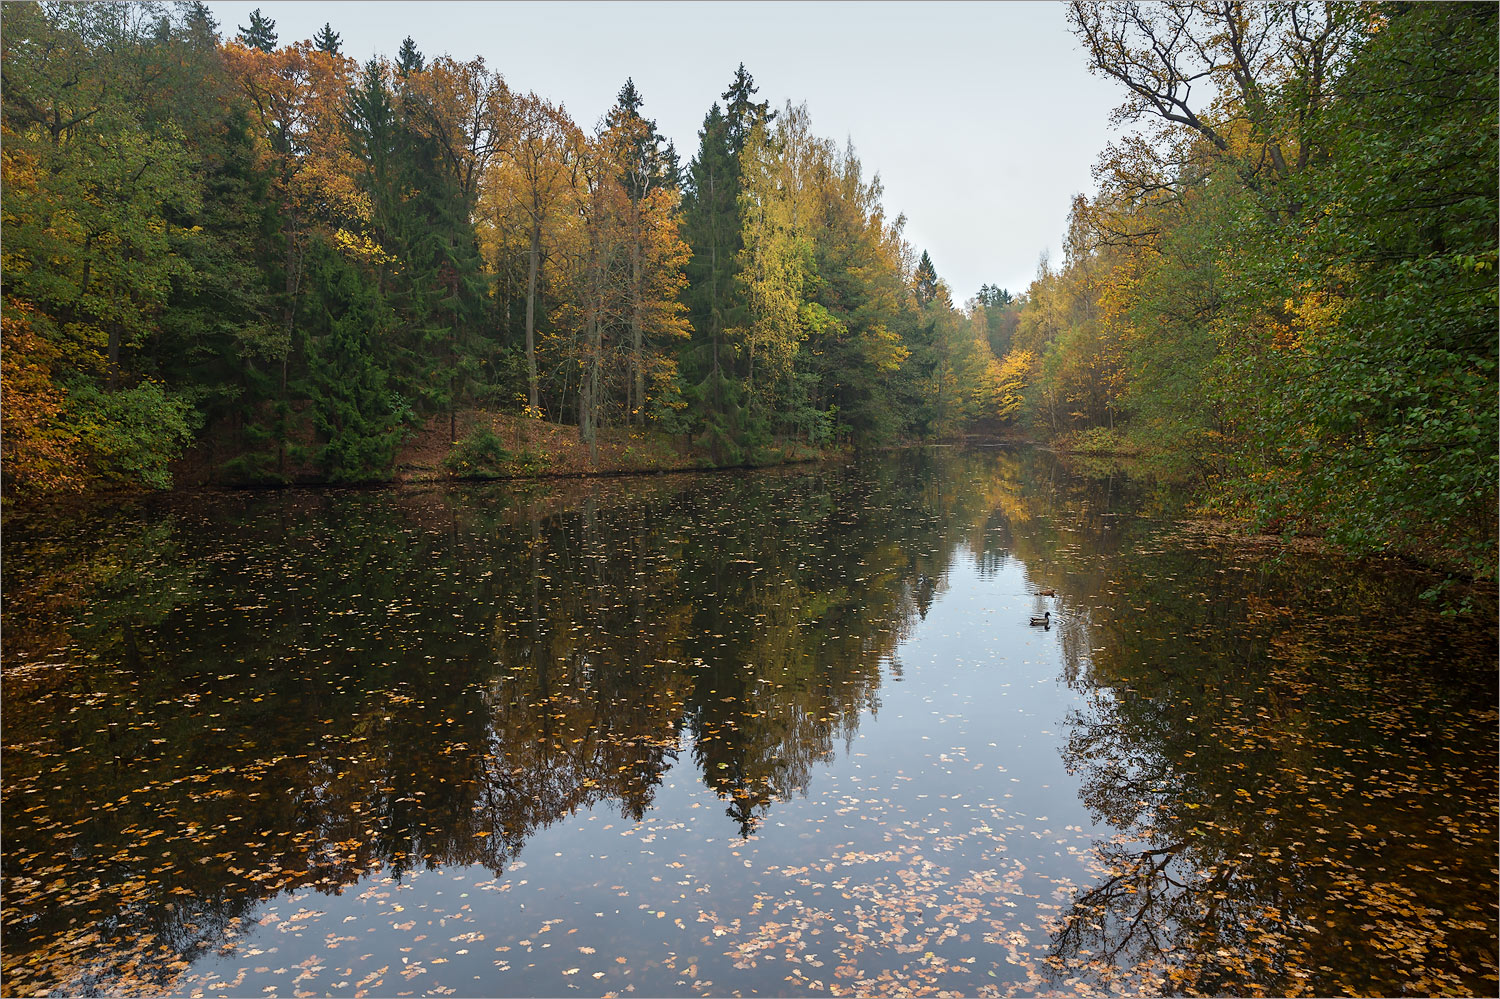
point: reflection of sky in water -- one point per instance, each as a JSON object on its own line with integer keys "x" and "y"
{"x": 299, "y": 690}
{"x": 960, "y": 772}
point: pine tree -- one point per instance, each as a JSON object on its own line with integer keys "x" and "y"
{"x": 200, "y": 23}
{"x": 261, "y": 33}
{"x": 358, "y": 415}
{"x": 409, "y": 60}
{"x": 741, "y": 112}
{"x": 650, "y": 165}
{"x": 328, "y": 40}
{"x": 926, "y": 280}
{"x": 711, "y": 225}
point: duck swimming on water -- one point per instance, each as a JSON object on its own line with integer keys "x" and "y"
{"x": 1046, "y": 593}
{"x": 1045, "y": 621}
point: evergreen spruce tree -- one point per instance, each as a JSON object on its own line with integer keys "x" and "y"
{"x": 409, "y": 60}
{"x": 260, "y": 34}
{"x": 650, "y": 164}
{"x": 435, "y": 286}
{"x": 711, "y": 227}
{"x": 712, "y": 223}
{"x": 372, "y": 126}
{"x": 993, "y": 296}
{"x": 359, "y": 417}
{"x": 200, "y": 23}
{"x": 327, "y": 40}
{"x": 926, "y": 279}
{"x": 741, "y": 112}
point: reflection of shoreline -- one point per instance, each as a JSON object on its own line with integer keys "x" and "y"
{"x": 288, "y": 693}
{"x": 291, "y": 691}
{"x": 1290, "y": 775}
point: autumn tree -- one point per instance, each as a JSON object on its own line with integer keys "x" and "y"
{"x": 294, "y": 97}
{"x": 1274, "y": 63}
{"x": 776, "y": 208}
{"x": 1384, "y": 421}
{"x": 648, "y": 174}
{"x": 1261, "y": 288}
{"x": 597, "y": 259}
{"x": 96, "y": 189}
{"x": 531, "y": 181}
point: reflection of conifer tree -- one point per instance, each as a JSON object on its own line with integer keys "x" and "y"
{"x": 577, "y": 631}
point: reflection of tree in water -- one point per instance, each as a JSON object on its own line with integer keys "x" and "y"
{"x": 324, "y": 685}
{"x": 768, "y": 628}
{"x": 1281, "y": 762}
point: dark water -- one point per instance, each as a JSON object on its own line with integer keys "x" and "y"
{"x": 772, "y": 733}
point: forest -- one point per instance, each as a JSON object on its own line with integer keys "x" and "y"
{"x": 263, "y": 250}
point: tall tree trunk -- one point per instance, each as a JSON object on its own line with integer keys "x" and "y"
{"x": 293, "y": 286}
{"x": 714, "y": 314}
{"x": 113, "y": 380}
{"x": 533, "y": 265}
{"x": 588, "y": 389}
{"x": 637, "y": 410}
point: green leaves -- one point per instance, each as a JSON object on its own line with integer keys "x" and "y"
{"x": 133, "y": 434}
{"x": 1305, "y": 304}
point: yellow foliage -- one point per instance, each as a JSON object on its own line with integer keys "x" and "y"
{"x": 40, "y": 452}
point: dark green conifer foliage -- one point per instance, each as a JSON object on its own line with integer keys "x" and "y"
{"x": 913, "y": 382}
{"x": 409, "y": 59}
{"x": 1001, "y": 315}
{"x": 371, "y": 119}
{"x": 649, "y": 164}
{"x": 219, "y": 318}
{"x": 358, "y": 415}
{"x": 926, "y": 279}
{"x": 993, "y": 295}
{"x": 260, "y": 33}
{"x": 436, "y": 285}
{"x": 712, "y": 229}
{"x": 200, "y": 24}
{"x": 328, "y": 40}
{"x": 741, "y": 112}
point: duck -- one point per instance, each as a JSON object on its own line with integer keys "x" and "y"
{"x": 1045, "y": 621}
{"x": 1046, "y": 593}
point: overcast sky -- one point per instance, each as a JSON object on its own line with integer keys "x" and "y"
{"x": 981, "y": 118}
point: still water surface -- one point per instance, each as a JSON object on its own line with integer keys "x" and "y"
{"x": 775, "y": 733}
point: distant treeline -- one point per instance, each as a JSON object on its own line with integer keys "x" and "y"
{"x": 297, "y": 258}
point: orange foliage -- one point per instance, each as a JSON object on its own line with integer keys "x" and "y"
{"x": 295, "y": 96}
{"x": 38, "y": 452}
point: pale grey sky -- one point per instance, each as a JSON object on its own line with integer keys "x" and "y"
{"x": 981, "y": 118}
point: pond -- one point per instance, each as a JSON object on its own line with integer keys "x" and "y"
{"x": 769, "y": 733}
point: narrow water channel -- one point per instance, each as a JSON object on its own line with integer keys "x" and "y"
{"x": 774, "y": 733}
